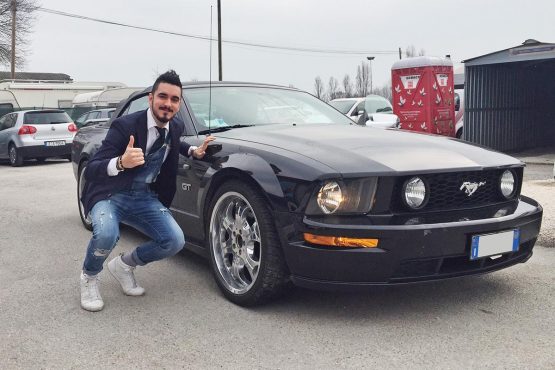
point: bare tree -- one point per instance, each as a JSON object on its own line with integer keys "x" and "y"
{"x": 24, "y": 10}
{"x": 333, "y": 89}
{"x": 362, "y": 82}
{"x": 385, "y": 91}
{"x": 410, "y": 52}
{"x": 347, "y": 86}
{"x": 318, "y": 88}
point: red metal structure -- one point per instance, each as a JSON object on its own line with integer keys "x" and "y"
{"x": 423, "y": 94}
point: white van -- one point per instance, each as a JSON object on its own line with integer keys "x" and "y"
{"x": 374, "y": 110}
{"x": 459, "y": 112}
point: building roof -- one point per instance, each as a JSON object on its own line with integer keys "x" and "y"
{"x": 35, "y": 76}
{"x": 529, "y": 50}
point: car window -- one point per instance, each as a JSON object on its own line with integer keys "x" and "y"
{"x": 8, "y": 121}
{"x": 11, "y": 120}
{"x": 137, "y": 105}
{"x": 110, "y": 113}
{"x": 342, "y": 105}
{"x": 360, "y": 107}
{"x": 251, "y": 105}
{"x": 81, "y": 119}
{"x": 45, "y": 118}
{"x": 93, "y": 115}
{"x": 377, "y": 104}
{"x": 457, "y": 102}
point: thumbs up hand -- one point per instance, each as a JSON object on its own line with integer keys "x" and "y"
{"x": 132, "y": 157}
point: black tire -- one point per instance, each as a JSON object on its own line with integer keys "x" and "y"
{"x": 80, "y": 185}
{"x": 16, "y": 159}
{"x": 459, "y": 134}
{"x": 272, "y": 277}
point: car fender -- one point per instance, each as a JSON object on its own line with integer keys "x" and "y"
{"x": 246, "y": 166}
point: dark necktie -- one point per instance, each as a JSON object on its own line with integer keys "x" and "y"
{"x": 160, "y": 141}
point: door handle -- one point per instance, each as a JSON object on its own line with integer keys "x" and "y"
{"x": 186, "y": 166}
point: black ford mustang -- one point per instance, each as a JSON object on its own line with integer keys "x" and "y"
{"x": 293, "y": 191}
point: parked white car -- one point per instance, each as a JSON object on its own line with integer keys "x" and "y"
{"x": 374, "y": 110}
{"x": 37, "y": 134}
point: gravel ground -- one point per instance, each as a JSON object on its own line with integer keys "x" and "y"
{"x": 544, "y": 192}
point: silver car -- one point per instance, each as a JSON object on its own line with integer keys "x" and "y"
{"x": 37, "y": 134}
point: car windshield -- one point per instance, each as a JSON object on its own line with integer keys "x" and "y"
{"x": 342, "y": 105}
{"x": 45, "y": 118}
{"x": 377, "y": 104}
{"x": 249, "y": 105}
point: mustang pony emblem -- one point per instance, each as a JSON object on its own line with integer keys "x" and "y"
{"x": 471, "y": 187}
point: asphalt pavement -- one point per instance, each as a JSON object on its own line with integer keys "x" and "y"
{"x": 500, "y": 320}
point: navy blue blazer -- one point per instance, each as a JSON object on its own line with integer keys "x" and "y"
{"x": 99, "y": 185}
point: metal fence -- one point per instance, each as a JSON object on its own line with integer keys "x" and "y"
{"x": 510, "y": 106}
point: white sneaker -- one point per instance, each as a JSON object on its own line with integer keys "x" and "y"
{"x": 124, "y": 274}
{"x": 90, "y": 293}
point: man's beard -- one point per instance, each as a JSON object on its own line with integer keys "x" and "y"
{"x": 162, "y": 119}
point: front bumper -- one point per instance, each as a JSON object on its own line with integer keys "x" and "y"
{"x": 408, "y": 252}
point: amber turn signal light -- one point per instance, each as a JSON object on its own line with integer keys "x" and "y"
{"x": 340, "y": 241}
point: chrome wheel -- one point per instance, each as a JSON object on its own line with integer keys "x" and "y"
{"x": 235, "y": 241}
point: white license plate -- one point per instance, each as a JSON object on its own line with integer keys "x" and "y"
{"x": 492, "y": 244}
{"x": 55, "y": 143}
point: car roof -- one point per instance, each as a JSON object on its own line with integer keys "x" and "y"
{"x": 348, "y": 99}
{"x": 191, "y": 84}
{"x": 40, "y": 111}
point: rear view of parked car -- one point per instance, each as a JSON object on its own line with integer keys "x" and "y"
{"x": 36, "y": 134}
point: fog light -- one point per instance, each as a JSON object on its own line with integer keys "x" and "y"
{"x": 415, "y": 193}
{"x": 507, "y": 184}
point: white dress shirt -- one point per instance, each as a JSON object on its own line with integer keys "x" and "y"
{"x": 152, "y": 135}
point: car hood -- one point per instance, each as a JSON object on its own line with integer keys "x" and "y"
{"x": 383, "y": 120}
{"x": 353, "y": 149}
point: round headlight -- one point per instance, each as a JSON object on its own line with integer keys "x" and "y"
{"x": 330, "y": 197}
{"x": 507, "y": 184}
{"x": 415, "y": 192}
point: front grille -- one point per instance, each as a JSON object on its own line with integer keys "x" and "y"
{"x": 430, "y": 268}
{"x": 445, "y": 191}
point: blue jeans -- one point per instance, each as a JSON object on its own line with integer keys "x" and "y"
{"x": 141, "y": 210}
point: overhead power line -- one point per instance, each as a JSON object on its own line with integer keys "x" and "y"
{"x": 232, "y": 42}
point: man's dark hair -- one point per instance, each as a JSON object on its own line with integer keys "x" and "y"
{"x": 169, "y": 77}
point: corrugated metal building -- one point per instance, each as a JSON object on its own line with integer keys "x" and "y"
{"x": 510, "y": 97}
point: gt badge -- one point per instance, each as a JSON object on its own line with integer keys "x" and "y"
{"x": 471, "y": 187}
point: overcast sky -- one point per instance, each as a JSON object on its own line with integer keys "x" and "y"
{"x": 90, "y": 51}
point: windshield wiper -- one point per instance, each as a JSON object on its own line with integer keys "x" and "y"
{"x": 222, "y": 129}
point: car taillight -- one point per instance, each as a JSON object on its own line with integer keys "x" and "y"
{"x": 27, "y": 130}
{"x": 72, "y": 127}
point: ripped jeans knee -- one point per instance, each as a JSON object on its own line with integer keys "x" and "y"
{"x": 104, "y": 239}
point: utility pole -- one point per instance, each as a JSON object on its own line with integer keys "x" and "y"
{"x": 220, "y": 41}
{"x": 13, "y": 38}
{"x": 400, "y": 54}
{"x": 370, "y": 59}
